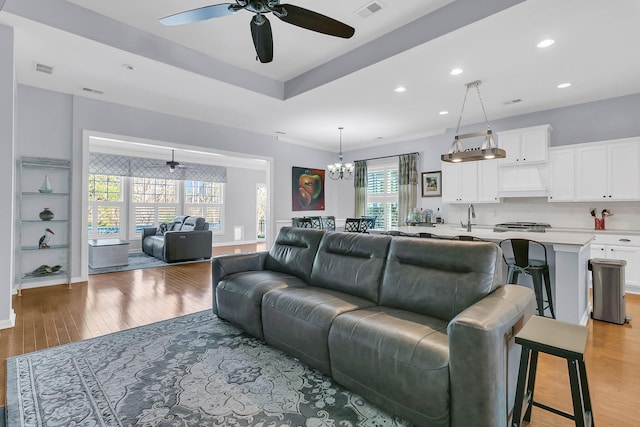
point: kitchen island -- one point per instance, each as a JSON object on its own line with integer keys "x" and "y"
{"x": 567, "y": 253}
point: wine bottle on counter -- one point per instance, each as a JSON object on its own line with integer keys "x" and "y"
{"x": 439, "y": 217}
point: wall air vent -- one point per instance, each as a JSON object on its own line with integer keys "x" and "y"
{"x": 44, "y": 68}
{"x": 96, "y": 91}
{"x": 369, "y": 9}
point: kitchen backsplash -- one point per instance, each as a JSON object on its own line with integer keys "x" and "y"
{"x": 626, "y": 215}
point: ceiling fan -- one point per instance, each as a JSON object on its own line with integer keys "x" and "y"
{"x": 172, "y": 163}
{"x": 260, "y": 25}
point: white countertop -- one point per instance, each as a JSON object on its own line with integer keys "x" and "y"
{"x": 486, "y": 232}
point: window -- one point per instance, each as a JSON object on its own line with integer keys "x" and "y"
{"x": 149, "y": 201}
{"x": 382, "y": 193}
{"x": 105, "y": 206}
{"x": 153, "y": 201}
{"x": 205, "y": 199}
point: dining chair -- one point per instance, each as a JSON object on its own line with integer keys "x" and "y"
{"x": 316, "y": 221}
{"x": 329, "y": 223}
{"x": 302, "y": 222}
{"x": 353, "y": 225}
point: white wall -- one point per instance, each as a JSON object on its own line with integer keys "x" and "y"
{"x": 7, "y": 173}
{"x": 240, "y": 204}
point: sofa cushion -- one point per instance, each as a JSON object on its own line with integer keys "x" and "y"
{"x": 239, "y": 296}
{"x": 193, "y": 223}
{"x": 176, "y": 225}
{"x": 396, "y": 359}
{"x": 351, "y": 263}
{"x": 294, "y": 251}
{"x": 439, "y": 278}
{"x": 297, "y": 320}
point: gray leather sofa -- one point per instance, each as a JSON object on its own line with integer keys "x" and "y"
{"x": 421, "y": 327}
{"x": 186, "y": 238}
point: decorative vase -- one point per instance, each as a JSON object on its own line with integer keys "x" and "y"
{"x": 599, "y": 223}
{"x": 46, "y": 215}
{"x": 46, "y": 186}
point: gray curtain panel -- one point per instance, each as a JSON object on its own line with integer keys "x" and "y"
{"x": 407, "y": 185}
{"x": 360, "y": 183}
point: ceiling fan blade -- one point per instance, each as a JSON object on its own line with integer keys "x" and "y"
{"x": 262, "y": 38}
{"x": 313, "y": 21}
{"x": 200, "y": 14}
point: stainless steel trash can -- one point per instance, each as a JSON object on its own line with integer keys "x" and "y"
{"x": 608, "y": 290}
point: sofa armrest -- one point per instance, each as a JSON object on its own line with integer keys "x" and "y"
{"x": 224, "y": 265}
{"x": 187, "y": 245}
{"x": 148, "y": 231}
{"x": 484, "y": 358}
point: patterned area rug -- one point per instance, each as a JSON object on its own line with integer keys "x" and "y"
{"x": 194, "y": 370}
{"x": 138, "y": 261}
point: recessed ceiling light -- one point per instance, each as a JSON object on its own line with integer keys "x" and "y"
{"x": 546, "y": 43}
{"x": 442, "y": 113}
{"x": 400, "y": 89}
{"x": 564, "y": 85}
{"x": 456, "y": 71}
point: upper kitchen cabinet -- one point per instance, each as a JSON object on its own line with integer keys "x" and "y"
{"x": 525, "y": 146}
{"x": 470, "y": 182}
{"x": 608, "y": 171}
{"x": 523, "y": 173}
{"x": 561, "y": 175}
{"x": 459, "y": 182}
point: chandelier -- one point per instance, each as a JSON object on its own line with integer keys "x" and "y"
{"x": 340, "y": 170}
{"x": 487, "y": 151}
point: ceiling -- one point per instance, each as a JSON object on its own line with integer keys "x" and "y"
{"x": 317, "y": 83}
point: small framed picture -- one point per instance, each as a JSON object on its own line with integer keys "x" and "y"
{"x": 432, "y": 184}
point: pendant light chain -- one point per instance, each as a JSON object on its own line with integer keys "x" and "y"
{"x": 486, "y": 119}
{"x": 464, "y": 102}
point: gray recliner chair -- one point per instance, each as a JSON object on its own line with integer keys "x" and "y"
{"x": 186, "y": 238}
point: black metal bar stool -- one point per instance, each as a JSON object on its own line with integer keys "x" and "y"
{"x": 538, "y": 269}
{"x": 560, "y": 339}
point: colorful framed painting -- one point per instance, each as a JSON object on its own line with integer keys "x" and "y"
{"x": 432, "y": 184}
{"x": 307, "y": 189}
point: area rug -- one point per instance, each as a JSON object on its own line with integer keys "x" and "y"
{"x": 195, "y": 370}
{"x": 138, "y": 261}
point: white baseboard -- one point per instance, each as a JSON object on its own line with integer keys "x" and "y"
{"x": 10, "y": 322}
{"x": 632, "y": 289}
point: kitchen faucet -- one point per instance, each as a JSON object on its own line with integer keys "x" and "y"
{"x": 471, "y": 213}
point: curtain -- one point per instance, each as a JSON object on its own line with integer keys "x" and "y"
{"x": 360, "y": 183}
{"x": 111, "y": 164}
{"x": 407, "y": 186}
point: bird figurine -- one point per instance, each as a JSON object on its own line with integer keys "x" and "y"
{"x": 44, "y": 240}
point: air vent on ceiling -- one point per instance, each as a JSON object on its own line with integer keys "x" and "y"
{"x": 44, "y": 68}
{"x": 513, "y": 101}
{"x": 369, "y": 9}
{"x": 88, "y": 89}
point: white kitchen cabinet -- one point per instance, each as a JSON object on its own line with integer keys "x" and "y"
{"x": 561, "y": 175}
{"x": 459, "y": 182}
{"x": 488, "y": 181}
{"x": 523, "y": 173}
{"x": 622, "y": 248}
{"x": 470, "y": 182}
{"x": 608, "y": 171}
{"x": 525, "y": 146}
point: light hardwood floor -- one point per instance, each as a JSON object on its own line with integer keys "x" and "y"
{"x": 51, "y": 316}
